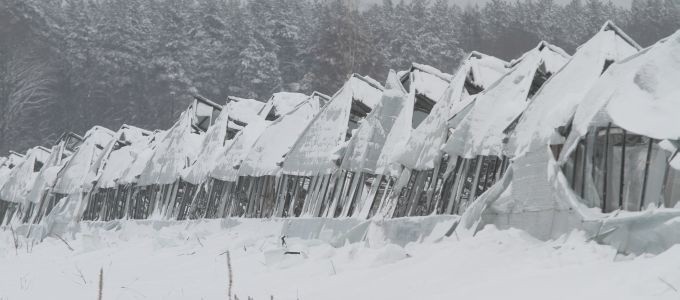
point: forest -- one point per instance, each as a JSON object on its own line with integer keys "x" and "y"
{"x": 66, "y": 65}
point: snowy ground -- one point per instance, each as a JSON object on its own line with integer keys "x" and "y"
{"x": 186, "y": 261}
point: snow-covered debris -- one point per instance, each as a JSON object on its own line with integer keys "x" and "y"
{"x": 121, "y": 152}
{"x": 639, "y": 94}
{"x": 281, "y": 103}
{"x": 367, "y": 143}
{"x": 554, "y": 105}
{"x": 140, "y": 155}
{"x": 229, "y": 160}
{"x": 21, "y": 178}
{"x": 267, "y": 154}
{"x": 214, "y": 144}
{"x": 316, "y": 150}
{"x": 175, "y": 152}
{"x": 481, "y": 131}
{"x": 535, "y": 196}
{"x": 422, "y": 150}
{"x": 47, "y": 176}
{"x": 242, "y": 111}
{"x": 11, "y": 161}
{"x": 76, "y": 175}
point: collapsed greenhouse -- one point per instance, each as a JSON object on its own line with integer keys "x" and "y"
{"x": 547, "y": 143}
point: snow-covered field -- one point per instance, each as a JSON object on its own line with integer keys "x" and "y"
{"x": 187, "y": 260}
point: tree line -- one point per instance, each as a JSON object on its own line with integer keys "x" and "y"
{"x": 72, "y": 64}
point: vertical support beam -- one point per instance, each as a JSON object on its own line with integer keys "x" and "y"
{"x": 584, "y": 166}
{"x": 475, "y": 180}
{"x": 646, "y": 174}
{"x": 623, "y": 167}
{"x": 451, "y": 189}
{"x": 337, "y": 193}
{"x": 606, "y": 166}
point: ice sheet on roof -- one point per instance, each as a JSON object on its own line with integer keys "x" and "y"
{"x": 21, "y": 177}
{"x": 48, "y": 174}
{"x": 367, "y": 143}
{"x": 243, "y": 110}
{"x": 140, "y": 158}
{"x": 173, "y": 154}
{"x": 556, "y": 102}
{"x": 429, "y": 82}
{"x": 282, "y": 103}
{"x": 484, "y": 69}
{"x": 481, "y": 132}
{"x": 268, "y": 152}
{"x": 639, "y": 94}
{"x": 214, "y": 145}
{"x": 229, "y": 160}
{"x": 422, "y": 149}
{"x": 76, "y": 173}
{"x": 315, "y": 151}
{"x": 119, "y": 160}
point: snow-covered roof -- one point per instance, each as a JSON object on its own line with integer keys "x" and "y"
{"x": 422, "y": 149}
{"x": 140, "y": 154}
{"x": 315, "y": 151}
{"x": 175, "y": 152}
{"x": 267, "y": 154}
{"x": 364, "y": 148}
{"x": 281, "y": 103}
{"x": 427, "y": 81}
{"x": 555, "y": 103}
{"x": 216, "y": 142}
{"x": 76, "y": 173}
{"x": 121, "y": 152}
{"x": 229, "y": 160}
{"x": 640, "y": 94}
{"x": 9, "y": 162}
{"x": 242, "y": 111}
{"x": 48, "y": 173}
{"x": 21, "y": 177}
{"x": 484, "y": 69}
{"x": 481, "y": 131}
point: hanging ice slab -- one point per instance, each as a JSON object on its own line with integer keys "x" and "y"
{"x": 555, "y": 104}
{"x": 315, "y": 151}
{"x": 481, "y": 132}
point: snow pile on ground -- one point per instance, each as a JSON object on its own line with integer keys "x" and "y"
{"x": 187, "y": 260}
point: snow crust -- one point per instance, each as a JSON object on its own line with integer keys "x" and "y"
{"x": 186, "y": 260}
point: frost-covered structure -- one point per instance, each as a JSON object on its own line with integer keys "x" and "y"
{"x": 478, "y": 140}
{"x": 419, "y": 177}
{"x": 20, "y": 179}
{"x": 253, "y": 192}
{"x": 427, "y": 85}
{"x": 159, "y": 187}
{"x": 107, "y": 201}
{"x": 624, "y": 128}
{"x": 547, "y": 143}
